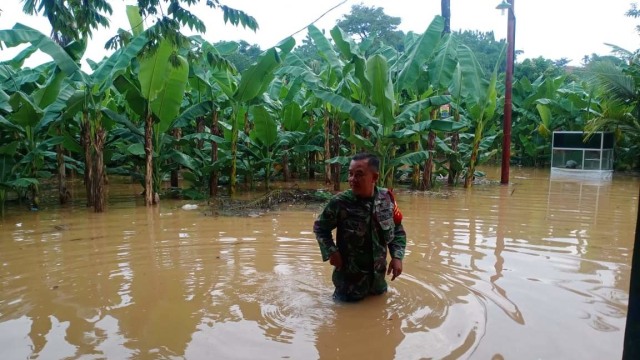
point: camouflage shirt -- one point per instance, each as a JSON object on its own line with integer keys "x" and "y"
{"x": 365, "y": 229}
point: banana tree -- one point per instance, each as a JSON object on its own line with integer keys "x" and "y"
{"x": 10, "y": 180}
{"x": 438, "y": 52}
{"x": 30, "y": 96}
{"x": 253, "y": 83}
{"x": 33, "y": 113}
{"x": 163, "y": 77}
{"x": 384, "y": 121}
{"x": 167, "y": 154}
{"x": 539, "y": 108}
{"x": 479, "y": 97}
{"x": 266, "y": 141}
{"x": 94, "y": 89}
{"x": 299, "y": 119}
{"x": 213, "y": 82}
{"x": 392, "y": 113}
{"x": 334, "y": 75}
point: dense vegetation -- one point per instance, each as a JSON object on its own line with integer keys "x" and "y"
{"x": 164, "y": 106}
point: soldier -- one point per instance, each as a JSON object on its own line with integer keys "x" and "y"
{"x": 368, "y": 222}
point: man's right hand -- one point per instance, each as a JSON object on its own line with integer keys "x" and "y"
{"x": 335, "y": 259}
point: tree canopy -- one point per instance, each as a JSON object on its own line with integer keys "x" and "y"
{"x": 73, "y": 19}
{"x": 366, "y": 22}
{"x": 76, "y": 19}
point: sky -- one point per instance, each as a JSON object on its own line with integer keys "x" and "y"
{"x": 553, "y": 29}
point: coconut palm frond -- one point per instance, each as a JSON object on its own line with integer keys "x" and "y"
{"x": 613, "y": 82}
{"x": 621, "y": 52}
{"x": 613, "y": 113}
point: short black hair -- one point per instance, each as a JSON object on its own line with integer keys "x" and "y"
{"x": 372, "y": 160}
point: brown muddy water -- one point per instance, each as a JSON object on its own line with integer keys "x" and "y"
{"x": 538, "y": 269}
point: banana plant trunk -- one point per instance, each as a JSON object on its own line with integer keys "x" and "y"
{"x": 327, "y": 148}
{"x": 389, "y": 169}
{"x": 248, "y": 175}
{"x": 213, "y": 180}
{"x": 453, "y": 173}
{"x": 286, "y": 172}
{"x": 428, "y": 167}
{"x": 63, "y": 194}
{"x": 415, "y": 176}
{"x": 267, "y": 176}
{"x": 427, "y": 174}
{"x": 311, "y": 163}
{"x": 335, "y": 146}
{"x": 88, "y": 158}
{"x": 468, "y": 180}
{"x": 175, "y": 183}
{"x": 35, "y": 197}
{"x": 98, "y": 190}
{"x": 415, "y": 146}
{"x": 285, "y": 162}
{"x": 455, "y": 140}
{"x": 234, "y": 154}
{"x": 148, "y": 153}
{"x": 352, "y": 132}
{"x": 200, "y": 127}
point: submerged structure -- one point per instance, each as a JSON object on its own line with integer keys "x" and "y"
{"x": 574, "y": 155}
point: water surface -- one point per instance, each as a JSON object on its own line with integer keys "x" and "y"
{"x": 536, "y": 269}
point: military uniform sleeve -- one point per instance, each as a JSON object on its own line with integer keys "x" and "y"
{"x": 322, "y": 227}
{"x": 398, "y": 243}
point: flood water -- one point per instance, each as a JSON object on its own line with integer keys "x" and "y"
{"x": 538, "y": 269}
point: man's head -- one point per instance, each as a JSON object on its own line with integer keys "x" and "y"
{"x": 363, "y": 174}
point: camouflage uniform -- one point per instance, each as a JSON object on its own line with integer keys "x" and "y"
{"x": 362, "y": 242}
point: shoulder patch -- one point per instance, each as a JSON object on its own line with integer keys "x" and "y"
{"x": 397, "y": 214}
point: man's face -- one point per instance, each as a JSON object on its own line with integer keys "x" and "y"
{"x": 361, "y": 178}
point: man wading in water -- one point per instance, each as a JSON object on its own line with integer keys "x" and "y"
{"x": 367, "y": 221}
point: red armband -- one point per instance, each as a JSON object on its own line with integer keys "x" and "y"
{"x": 397, "y": 214}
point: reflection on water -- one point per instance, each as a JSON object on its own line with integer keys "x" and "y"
{"x": 538, "y": 267}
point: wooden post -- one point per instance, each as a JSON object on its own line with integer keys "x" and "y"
{"x": 631, "y": 349}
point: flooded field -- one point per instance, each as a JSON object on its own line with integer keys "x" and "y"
{"x": 536, "y": 269}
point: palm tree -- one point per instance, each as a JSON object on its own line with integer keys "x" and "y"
{"x": 619, "y": 89}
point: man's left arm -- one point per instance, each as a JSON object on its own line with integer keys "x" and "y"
{"x": 398, "y": 243}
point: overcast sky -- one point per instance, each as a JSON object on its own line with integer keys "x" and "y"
{"x": 551, "y": 28}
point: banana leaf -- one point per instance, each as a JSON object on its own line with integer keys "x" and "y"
{"x": 357, "y": 112}
{"x": 325, "y": 49}
{"x": 443, "y": 66}
{"x": 170, "y": 95}
{"x": 192, "y": 113}
{"x": 414, "y": 158}
{"x": 265, "y": 129}
{"x": 382, "y": 96}
{"x": 420, "y": 53}
{"x": 21, "y": 34}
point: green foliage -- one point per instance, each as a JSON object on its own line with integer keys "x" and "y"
{"x": 485, "y": 48}
{"x": 307, "y": 52}
{"x": 231, "y": 111}
{"x": 244, "y": 56}
{"x": 163, "y": 82}
{"x": 167, "y": 26}
{"x": 21, "y": 34}
{"x": 619, "y": 108}
{"x": 371, "y": 23}
{"x": 532, "y": 69}
{"x": 634, "y": 12}
{"x": 71, "y": 20}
